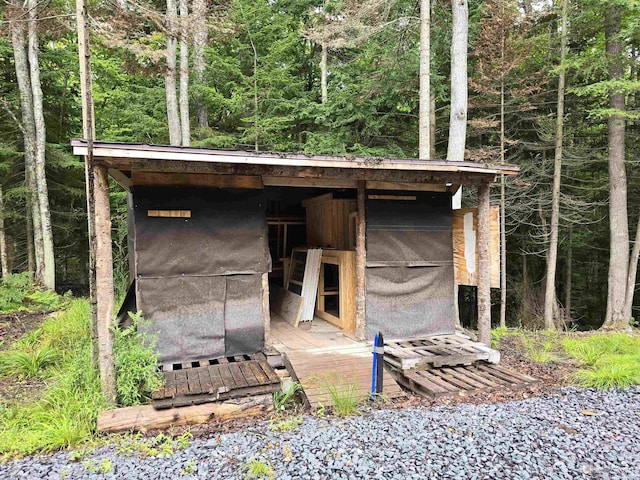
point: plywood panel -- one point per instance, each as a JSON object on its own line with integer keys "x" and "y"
{"x": 465, "y": 251}
{"x": 289, "y": 307}
{"x": 154, "y": 179}
{"x": 328, "y": 221}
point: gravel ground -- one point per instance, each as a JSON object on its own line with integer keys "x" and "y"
{"x": 571, "y": 433}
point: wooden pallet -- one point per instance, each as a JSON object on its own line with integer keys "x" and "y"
{"x": 216, "y": 380}
{"x": 448, "y": 381}
{"x": 437, "y": 351}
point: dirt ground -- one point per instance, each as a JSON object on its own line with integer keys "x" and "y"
{"x": 12, "y": 327}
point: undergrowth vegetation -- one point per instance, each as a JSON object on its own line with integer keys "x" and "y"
{"x": 19, "y": 294}
{"x": 65, "y": 412}
{"x": 605, "y": 360}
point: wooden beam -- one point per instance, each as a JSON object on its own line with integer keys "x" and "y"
{"x": 144, "y": 417}
{"x": 121, "y": 179}
{"x": 391, "y": 197}
{"x": 405, "y": 186}
{"x": 308, "y": 182}
{"x": 104, "y": 284}
{"x": 394, "y": 176}
{"x": 266, "y": 310}
{"x": 484, "y": 276}
{"x": 162, "y": 179}
{"x": 360, "y": 261}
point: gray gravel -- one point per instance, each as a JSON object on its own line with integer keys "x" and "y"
{"x": 573, "y": 433}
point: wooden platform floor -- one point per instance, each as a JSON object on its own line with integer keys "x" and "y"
{"x": 323, "y": 357}
{"x": 216, "y": 380}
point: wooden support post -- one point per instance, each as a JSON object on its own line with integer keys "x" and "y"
{"x": 266, "y": 313}
{"x": 484, "y": 275}
{"x": 361, "y": 259}
{"x": 104, "y": 283}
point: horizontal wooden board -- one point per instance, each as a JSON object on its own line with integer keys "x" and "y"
{"x": 156, "y": 179}
{"x": 169, "y": 213}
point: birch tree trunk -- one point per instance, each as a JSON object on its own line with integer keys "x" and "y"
{"x": 550, "y": 300}
{"x": 324, "y": 93}
{"x": 633, "y": 270}
{"x": 4, "y": 261}
{"x": 200, "y": 37}
{"x": 568, "y": 282}
{"x": 618, "y": 222}
{"x": 21, "y": 63}
{"x": 424, "y": 135}
{"x": 48, "y": 271}
{"x": 173, "y": 117}
{"x": 503, "y": 200}
{"x": 185, "y": 129}
{"x": 459, "y": 88}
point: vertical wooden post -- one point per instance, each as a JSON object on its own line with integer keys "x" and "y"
{"x": 99, "y": 226}
{"x": 266, "y": 313}
{"x": 484, "y": 276}
{"x": 361, "y": 259}
{"x": 104, "y": 283}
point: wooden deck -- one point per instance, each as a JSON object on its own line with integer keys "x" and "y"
{"x": 216, "y": 380}
{"x": 323, "y": 358}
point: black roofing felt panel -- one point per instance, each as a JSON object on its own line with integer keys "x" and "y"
{"x": 226, "y": 233}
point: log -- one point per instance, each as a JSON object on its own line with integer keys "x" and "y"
{"x": 144, "y": 417}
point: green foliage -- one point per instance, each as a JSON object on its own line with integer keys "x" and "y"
{"x": 346, "y": 399}
{"x": 537, "y": 350}
{"x": 614, "y": 371}
{"x": 26, "y": 363}
{"x": 162, "y": 445}
{"x": 65, "y": 413}
{"x": 257, "y": 469}
{"x": 104, "y": 466}
{"x": 136, "y": 363}
{"x": 18, "y": 293}
{"x": 285, "y": 425}
{"x": 284, "y": 399}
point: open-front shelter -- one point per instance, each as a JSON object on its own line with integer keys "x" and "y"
{"x": 211, "y": 232}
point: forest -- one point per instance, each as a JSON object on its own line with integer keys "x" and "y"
{"x": 553, "y": 87}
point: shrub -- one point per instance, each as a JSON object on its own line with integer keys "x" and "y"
{"x": 136, "y": 363}
{"x": 26, "y": 364}
{"x": 18, "y": 293}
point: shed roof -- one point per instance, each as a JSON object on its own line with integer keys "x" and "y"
{"x": 123, "y": 159}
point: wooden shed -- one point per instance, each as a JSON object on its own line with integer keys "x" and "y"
{"x": 213, "y": 232}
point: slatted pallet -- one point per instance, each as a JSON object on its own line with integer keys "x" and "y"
{"x": 448, "y": 381}
{"x": 216, "y": 380}
{"x": 436, "y": 351}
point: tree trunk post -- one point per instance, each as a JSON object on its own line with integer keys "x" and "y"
{"x": 424, "y": 135}
{"x": 324, "y": 93}
{"x": 361, "y": 258}
{"x": 104, "y": 284}
{"x": 3, "y": 239}
{"x": 173, "y": 116}
{"x": 484, "y": 276}
{"x": 266, "y": 312}
{"x": 185, "y": 127}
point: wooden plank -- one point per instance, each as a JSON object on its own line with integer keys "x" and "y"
{"x": 461, "y": 375}
{"x": 144, "y": 418}
{"x": 498, "y": 374}
{"x": 392, "y": 197}
{"x": 513, "y": 373}
{"x": 155, "y": 179}
{"x": 408, "y": 187}
{"x": 248, "y": 374}
{"x": 169, "y": 213}
{"x": 227, "y": 377}
{"x": 193, "y": 381}
{"x": 319, "y": 199}
{"x": 310, "y": 283}
{"x": 182, "y": 385}
{"x": 360, "y": 262}
{"x": 238, "y": 378}
{"x": 451, "y": 379}
{"x": 308, "y": 182}
{"x": 289, "y": 307}
{"x": 473, "y": 376}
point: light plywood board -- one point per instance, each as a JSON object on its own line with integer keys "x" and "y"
{"x": 155, "y": 179}
{"x": 465, "y": 246}
{"x": 310, "y": 283}
{"x": 289, "y": 307}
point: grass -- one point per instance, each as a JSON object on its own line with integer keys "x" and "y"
{"x": 608, "y": 360}
{"x": 257, "y": 469}
{"x": 346, "y": 399}
{"x": 65, "y": 412}
{"x": 285, "y": 399}
{"x": 284, "y": 425}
